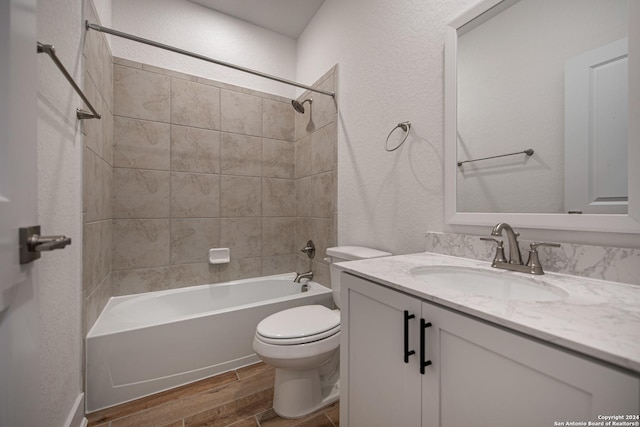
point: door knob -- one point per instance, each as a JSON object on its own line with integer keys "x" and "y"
{"x": 32, "y": 243}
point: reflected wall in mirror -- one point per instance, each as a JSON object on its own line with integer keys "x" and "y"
{"x": 555, "y": 76}
{"x": 520, "y": 87}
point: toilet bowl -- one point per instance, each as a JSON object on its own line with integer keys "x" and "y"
{"x": 303, "y": 345}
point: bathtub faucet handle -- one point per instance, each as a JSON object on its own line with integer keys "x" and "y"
{"x": 310, "y": 249}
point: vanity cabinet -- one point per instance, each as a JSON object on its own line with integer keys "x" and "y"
{"x": 479, "y": 374}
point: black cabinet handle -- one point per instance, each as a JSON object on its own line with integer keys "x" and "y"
{"x": 407, "y": 352}
{"x": 423, "y": 363}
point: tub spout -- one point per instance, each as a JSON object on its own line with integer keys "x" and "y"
{"x": 300, "y": 276}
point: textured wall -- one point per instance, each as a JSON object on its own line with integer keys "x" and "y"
{"x": 391, "y": 59}
{"x": 59, "y": 166}
{"x": 198, "y": 164}
{"x": 390, "y": 56}
{"x": 190, "y": 26}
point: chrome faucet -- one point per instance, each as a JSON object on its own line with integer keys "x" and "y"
{"x": 300, "y": 276}
{"x": 512, "y": 237}
{"x": 514, "y": 263}
{"x": 310, "y": 250}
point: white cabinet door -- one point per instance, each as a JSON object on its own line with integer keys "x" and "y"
{"x": 377, "y": 387}
{"x": 492, "y": 377}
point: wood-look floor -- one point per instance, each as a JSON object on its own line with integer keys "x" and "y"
{"x": 240, "y": 398}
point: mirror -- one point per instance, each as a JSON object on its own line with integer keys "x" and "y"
{"x": 536, "y": 115}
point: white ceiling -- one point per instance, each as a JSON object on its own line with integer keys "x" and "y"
{"x": 288, "y": 17}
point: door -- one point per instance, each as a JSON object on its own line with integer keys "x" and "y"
{"x": 491, "y": 377}
{"x": 378, "y": 389}
{"x": 596, "y": 97}
{"x": 20, "y": 386}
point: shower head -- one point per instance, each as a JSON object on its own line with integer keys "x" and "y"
{"x": 298, "y": 106}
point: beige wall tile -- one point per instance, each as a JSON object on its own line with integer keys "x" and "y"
{"x": 278, "y": 121}
{"x": 107, "y": 134}
{"x": 278, "y": 159}
{"x": 277, "y": 236}
{"x": 195, "y": 104}
{"x": 303, "y": 264}
{"x": 241, "y": 113}
{"x": 303, "y": 157}
{"x": 278, "y": 264}
{"x": 321, "y": 273}
{"x": 240, "y": 196}
{"x": 139, "y": 280}
{"x": 127, "y": 63}
{"x": 304, "y": 122}
{"x": 140, "y": 94}
{"x": 141, "y": 144}
{"x": 243, "y": 237}
{"x": 323, "y": 149}
{"x": 278, "y": 197}
{"x": 93, "y": 128}
{"x": 304, "y": 197}
{"x": 302, "y": 233}
{"x": 140, "y": 243}
{"x": 107, "y": 75}
{"x": 170, "y": 73}
{"x": 92, "y": 186}
{"x": 94, "y": 303}
{"x": 191, "y": 239}
{"x": 242, "y": 268}
{"x": 324, "y": 107}
{"x": 240, "y": 155}
{"x": 322, "y": 112}
{"x": 182, "y": 275}
{"x": 96, "y": 244}
{"x": 323, "y": 234}
{"x": 195, "y": 195}
{"x": 88, "y": 259}
{"x": 97, "y": 190}
{"x": 195, "y": 149}
{"x": 323, "y": 189}
{"x": 93, "y": 50}
{"x": 140, "y": 193}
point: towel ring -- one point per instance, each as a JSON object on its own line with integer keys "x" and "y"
{"x": 405, "y": 126}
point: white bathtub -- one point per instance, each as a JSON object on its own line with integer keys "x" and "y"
{"x": 143, "y": 344}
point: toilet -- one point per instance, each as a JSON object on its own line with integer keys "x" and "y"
{"x": 302, "y": 343}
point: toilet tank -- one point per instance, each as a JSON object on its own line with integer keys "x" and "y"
{"x": 347, "y": 253}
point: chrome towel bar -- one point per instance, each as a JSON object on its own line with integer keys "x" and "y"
{"x": 81, "y": 114}
{"x": 528, "y": 152}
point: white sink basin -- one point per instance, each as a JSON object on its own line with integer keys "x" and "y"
{"x": 503, "y": 285}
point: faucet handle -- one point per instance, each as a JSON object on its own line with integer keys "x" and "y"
{"x": 499, "y": 257}
{"x": 534, "y": 262}
{"x": 534, "y": 246}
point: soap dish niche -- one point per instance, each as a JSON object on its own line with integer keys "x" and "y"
{"x": 219, "y": 256}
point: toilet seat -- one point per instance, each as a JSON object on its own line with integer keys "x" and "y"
{"x": 299, "y": 325}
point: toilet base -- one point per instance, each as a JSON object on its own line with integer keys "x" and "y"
{"x": 300, "y": 392}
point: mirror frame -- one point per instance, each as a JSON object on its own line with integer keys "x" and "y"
{"x": 612, "y": 223}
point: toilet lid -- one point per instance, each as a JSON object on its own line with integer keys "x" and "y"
{"x": 300, "y": 324}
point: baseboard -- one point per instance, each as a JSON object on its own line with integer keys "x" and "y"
{"x": 76, "y": 415}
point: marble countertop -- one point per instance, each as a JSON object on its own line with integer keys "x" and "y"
{"x": 597, "y": 318}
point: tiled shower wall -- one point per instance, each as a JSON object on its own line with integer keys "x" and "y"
{"x": 98, "y": 173}
{"x": 199, "y": 164}
{"x": 185, "y": 164}
{"x": 316, "y": 177}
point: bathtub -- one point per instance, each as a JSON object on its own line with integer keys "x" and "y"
{"x": 146, "y": 343}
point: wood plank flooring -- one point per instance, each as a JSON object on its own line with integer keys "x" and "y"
{"x": 240, "y": 398}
